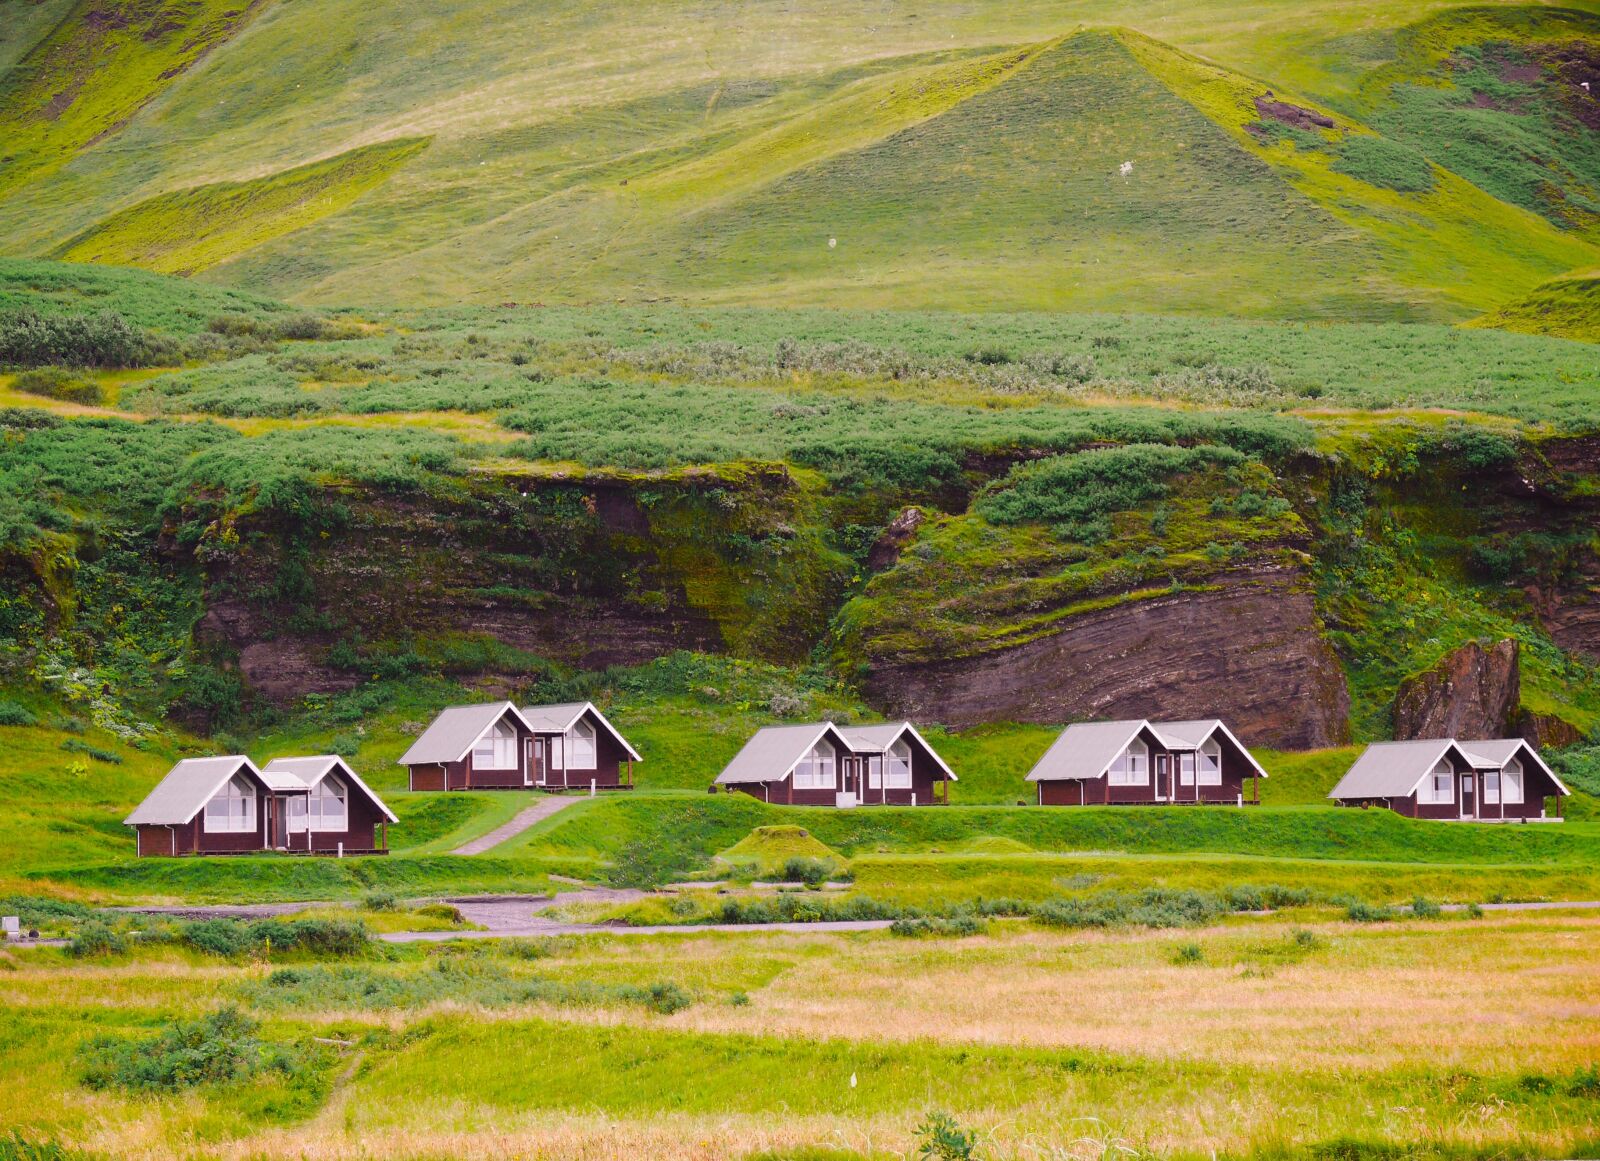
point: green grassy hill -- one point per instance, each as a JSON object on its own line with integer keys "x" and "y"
{"x": 961, "y": 159}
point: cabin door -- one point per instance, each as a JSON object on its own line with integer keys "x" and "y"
{"x": 1469, "y": 796}
{"x": 540, "y": 760}
{"x": 1164, "y": 778}
{"x": 849, "y": 782}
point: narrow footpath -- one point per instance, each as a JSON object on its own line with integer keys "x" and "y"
{"x": 538, "y": 812}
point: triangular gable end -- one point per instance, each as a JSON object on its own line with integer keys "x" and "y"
{"x": 345, "y": 771}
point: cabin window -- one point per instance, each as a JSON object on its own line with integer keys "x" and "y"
{"x": 874, "y": 763}
{"x": 1132, "y": 766}
{"x": 581, "y": 746}
{"x": 1511, "y": 783}
{"x": 816, "y": 771}
{"x": 1185, "y": 769}
{"x": 328, "y": 805}
{"x": 1211, "y": 764}
{"x": 233, "y": 808}
{"x": 1439, "y": 787}
{"x": 497, "y": 748}
{"x": 899, "y": 765}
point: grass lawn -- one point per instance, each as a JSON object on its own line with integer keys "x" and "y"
{"x": 1253, "y": 1038}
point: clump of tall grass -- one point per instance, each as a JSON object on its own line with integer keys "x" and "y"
{"x": 221, "y": 1048}
{"x": 457, "y": 978}
{"x": 232, "y": 938}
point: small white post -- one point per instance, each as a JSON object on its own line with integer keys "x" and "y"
{"x": 591, "y": 787}
{"x": 913, "y": 798}
{"x": 1241, "y": 800}
{"x": 341, "y": 848}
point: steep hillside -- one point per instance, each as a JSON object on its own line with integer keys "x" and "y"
{"x": 969, "y": 518}
{"x": 992, "y": 157}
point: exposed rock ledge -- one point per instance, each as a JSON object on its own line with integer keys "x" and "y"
{"x": 1250, "y": 652}
{"x": 1472, "y": 692}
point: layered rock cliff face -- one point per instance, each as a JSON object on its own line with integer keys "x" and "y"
{"x": 1248, "y": 650}
{"x": 1472, "y": 692}
{"x": 590, "y": 572}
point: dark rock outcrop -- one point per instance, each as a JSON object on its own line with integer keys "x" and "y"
{"x": 1249, "y": 651}
{"x": 900, "y": 532}
{"x": 1301, "y": 118}
{"x": 1472, "y": 692}
{"x": 590, "y": 572}
{"x": 1547, "y": 730}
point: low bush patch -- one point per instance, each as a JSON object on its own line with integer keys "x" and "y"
{"x": 219, "y": 1049}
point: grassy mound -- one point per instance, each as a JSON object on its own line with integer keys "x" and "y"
{"x": 1567, "y": 307}
{"x": 993, "y": 844}
{"x": 770, "y": 847}
{"x": 192, "y": 229}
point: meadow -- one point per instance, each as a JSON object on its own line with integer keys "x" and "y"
{"x": 1278, "y": 1038}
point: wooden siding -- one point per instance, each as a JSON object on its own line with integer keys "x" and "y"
{"x": 925, "y": 777}
{"x": 191, "y": 838}
{"x": 1162, "y": 785}
{"x": 611, "y": 762}
{"x": 1536, "y": 788}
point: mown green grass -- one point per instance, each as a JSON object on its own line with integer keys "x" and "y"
{"x": 701, "y": 826}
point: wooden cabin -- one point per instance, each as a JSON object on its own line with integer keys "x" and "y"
{"x": 1143, "y": 762}
{"x": 326, "y": 807}
{"x": 821, "y": 764}
{"x": 227, "y": 806}
{"x": 1500, "y": 780}
{"x": 497, "y": 746}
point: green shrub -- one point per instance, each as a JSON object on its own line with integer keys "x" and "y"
{"x": 668, "y": 998}
{"x": 12, "y": 714}
{"x": 801, "y": 869}
{"x": 1079, "y": 492}
{"x": 232, "y": 937}
{"x": 379, "y": 901}
{"x": 96, "y": 939}
{"x": 218, "y": 1049}
{"x": 104, "y": 339}
{"x": 1359, "y": 912}
{"x": 449, "y": 912}
{"x": 1187, "y": 953}
{"x": 78, "y": 746}
{"x": 1381, "y": 162}
{"x": 59, "y": 383}
{"x": 1424, "y": 908}
{"x": 941, "y": 1138}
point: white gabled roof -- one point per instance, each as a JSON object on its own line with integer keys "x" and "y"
{"x": 1085, "y": 750}
{"x": 291, "y": 774}
{"x": 455, "y": 731}
{"x": 186, "y": 789}
{"x": 1396, "y": 769}
{"x": 1393, "y": 769}
{"x": 558, "y": 719}
{"x": 773, "y": 751}
{"x": 1194, "y": 734}
{"x": 1498, "y": 751}
{"x": 877, "y": 739}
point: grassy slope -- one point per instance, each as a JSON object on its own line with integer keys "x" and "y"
{"x": 1567, "y": 307}
{"x": 193, "y": 229}
{"x": 94, "y": 72}
{"x": 737, "y": 173}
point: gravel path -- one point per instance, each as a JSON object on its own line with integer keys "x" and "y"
{"x": 538, "y": 812}
{"x": 500, "y": 916}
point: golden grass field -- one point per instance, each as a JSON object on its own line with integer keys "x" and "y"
{"x": 1407, "y": 1036}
